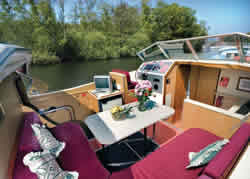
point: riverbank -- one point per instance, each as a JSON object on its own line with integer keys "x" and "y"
{"x": 46, "y": 59}
{"x": 70, "y": 74}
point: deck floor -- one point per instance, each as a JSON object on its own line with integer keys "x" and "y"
{"x": 126, "y": 152}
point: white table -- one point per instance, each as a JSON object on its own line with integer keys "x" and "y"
{"x": 108, "y": 131}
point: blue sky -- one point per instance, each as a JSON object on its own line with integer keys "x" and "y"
{"x": 222, "y": 16}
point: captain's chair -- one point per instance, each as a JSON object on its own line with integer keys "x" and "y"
{"x": 131, "y": 84}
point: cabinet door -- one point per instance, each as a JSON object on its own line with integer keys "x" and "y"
{"x": 207, "y": 85}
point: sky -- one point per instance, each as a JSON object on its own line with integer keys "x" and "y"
{"x": 221, "y": 16}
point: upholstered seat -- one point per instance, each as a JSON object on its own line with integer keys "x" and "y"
{"x": 170, "y": 160}
{"x": 167, "y": 162}
{"x": 131, "y": 84}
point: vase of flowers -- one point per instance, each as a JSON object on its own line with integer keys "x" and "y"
{"x": 142, "y": 92}
{"x": 119, "y": 113}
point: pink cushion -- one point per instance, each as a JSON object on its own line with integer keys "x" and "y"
{"x": 123, "y": 72}
{"x": 27, "y": 143}
{"x": 224, "y": 158}
{"x": 170, "y": 160}
{"x": 27, "y": 140}
{"x": 131, "y": 84}
{"x": 77, "y": 154}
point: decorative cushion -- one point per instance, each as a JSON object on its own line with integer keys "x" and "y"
{"x": 205, "y": 155}
{"x": 47, "y": 141}
{"x": 46, "y": 167}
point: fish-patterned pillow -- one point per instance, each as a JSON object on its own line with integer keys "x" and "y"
{"x": 197, "y": 159}
{"x": 46, "y": 140}
{"x": 44, "y": 165}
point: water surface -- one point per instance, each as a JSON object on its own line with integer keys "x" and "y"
{"x": 71, "y": 74}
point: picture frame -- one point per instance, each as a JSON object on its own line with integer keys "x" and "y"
{"x": 243, "y": 84}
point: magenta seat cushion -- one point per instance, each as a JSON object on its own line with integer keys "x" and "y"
{"x": 131, "y": 84}
{"x": 77, "y": 154}
{"x": 27, "y": 143}
{"x": 27, "y": 139}
{"x": 230, "y": 151}
{"x": 21, "y": 171}
{"x": 170, "y": 160}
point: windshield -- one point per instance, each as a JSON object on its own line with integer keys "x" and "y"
{"x": 227, "y": 47}
{"x": 2, "y": 49}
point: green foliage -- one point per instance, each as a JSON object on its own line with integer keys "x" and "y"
{"x": 39, "y": 57}
{"x": 97, "y": 30}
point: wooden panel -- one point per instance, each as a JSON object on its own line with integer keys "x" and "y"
{"x": 194, "y": 78}
{"x": 207, "y": 85}
{"x": 195, "y": 116}
{"x": 81, "y": 89}
{"x": 178, "y": 80}
{"x": 182, "y": 74}
{"x": 203, "y": 84}
{"x": 214, "y": 65}
{"x": 61, "y": 99}
{"x": 75, "y": 97}
{"x": 9, "y": 125}
{"x": 121, "y": 81}
{"x": 170, "y": 87}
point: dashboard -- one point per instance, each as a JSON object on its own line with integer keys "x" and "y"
{"x": 155, "y": 72}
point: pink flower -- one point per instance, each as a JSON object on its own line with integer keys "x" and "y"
{"x": 142, "y": 86}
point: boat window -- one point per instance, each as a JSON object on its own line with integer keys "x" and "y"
{"x": 154, "y": 53}
{"x": 178, "y": 50}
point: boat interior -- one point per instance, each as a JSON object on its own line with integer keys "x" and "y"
{"x": 211, "y": 93}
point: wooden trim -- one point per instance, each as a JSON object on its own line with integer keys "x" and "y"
{"x": 220, "y": 124}
{"x": 236, "y": 66}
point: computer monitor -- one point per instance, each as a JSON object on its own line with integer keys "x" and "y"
{"x": 103, "y": 83}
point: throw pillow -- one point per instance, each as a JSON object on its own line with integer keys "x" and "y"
{"x": 44, "y": 165}
{"x": 197, "y": 159}
{"x": 46, "y": 140}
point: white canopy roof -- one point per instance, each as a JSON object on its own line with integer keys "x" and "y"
{"x": 11, "y": 58}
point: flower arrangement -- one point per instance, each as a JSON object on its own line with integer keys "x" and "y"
{"x": 120, "y": 112}
{"x": 142, "y": 92}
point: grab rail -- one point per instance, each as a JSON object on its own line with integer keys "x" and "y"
{"x": 53, "y": 109}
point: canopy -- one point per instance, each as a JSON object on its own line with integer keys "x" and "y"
{"x": 12, "y": 57}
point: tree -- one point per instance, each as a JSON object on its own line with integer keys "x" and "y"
{"x": 97, "y": 30}
{"x": 173, "y": 22}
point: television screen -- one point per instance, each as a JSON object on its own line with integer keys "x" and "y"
{"x": 102, "y": 82}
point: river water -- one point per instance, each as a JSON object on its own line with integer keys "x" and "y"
{"x": 71, "y": 74}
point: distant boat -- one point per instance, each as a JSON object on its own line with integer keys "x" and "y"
{"x": 232, "y": 52}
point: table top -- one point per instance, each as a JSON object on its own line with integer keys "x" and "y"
{"x": 108, "y": 131}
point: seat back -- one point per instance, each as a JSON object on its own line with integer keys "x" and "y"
{"x": 123, "y": 72}
{"x": 222, "y": 163}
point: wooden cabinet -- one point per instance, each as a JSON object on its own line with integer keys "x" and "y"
{"x": 203, "y": 84}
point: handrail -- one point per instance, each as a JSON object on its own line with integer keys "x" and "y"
{"x": 53, "y": 109}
